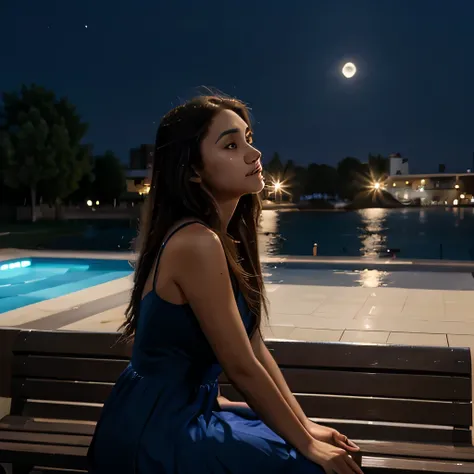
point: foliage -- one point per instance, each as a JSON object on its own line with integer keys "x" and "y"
{"x": 379, "y": 166}
{"x": 109, "y": 182}
{"x": 353, "y": 176}
{"x": 275, "y": 168}
{"x": 40, "y": 143}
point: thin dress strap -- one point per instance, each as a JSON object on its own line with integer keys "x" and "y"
{"x": 166, "y": 240}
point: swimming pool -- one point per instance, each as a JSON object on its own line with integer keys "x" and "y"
{"x": 30, "y": 280}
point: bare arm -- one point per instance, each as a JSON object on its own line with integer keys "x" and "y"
{"x": 226, "y": 404}
{"x": 203, "y": 276}
{"x": 266, "y": 359}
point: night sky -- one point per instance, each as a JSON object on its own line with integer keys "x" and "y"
{"x": 124, "y": 63}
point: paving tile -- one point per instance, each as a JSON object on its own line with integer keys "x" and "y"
{"x": 450, "y": 296}
{"x": 425, "y": 312}
{"x": 380, "y": 309}
{"x": 323, "y": 321}
{"x": 23, "y": 315}
{"x": 316, "y": 335}
{"x": 86, "y": 295}
{"x": 388, "y": 295}
{"x": 277, "y": 332}
{"x": 107, "y": 321}
{"x": 410, "y": 325}
{"x": 461, "y": 340}
{"x": 295, "y": 306}
{"x": 461, "y": 309}
{"x": 422, "y": 297}
{"x": 340, "y": 309}
{"x": 375, "y": 337}
{"x": 417, "y": 339}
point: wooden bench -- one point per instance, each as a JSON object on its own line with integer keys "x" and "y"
{"x": 408, "y": 407}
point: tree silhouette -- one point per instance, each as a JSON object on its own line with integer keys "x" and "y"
{"x": 40, "y": 141}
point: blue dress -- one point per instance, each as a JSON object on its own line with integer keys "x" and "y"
{"x": 162, "y": 416}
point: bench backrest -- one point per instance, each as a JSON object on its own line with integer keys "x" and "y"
{"x": 397, "y": 393}
{"x": 381, "y": 392}
{"x": 76, "y": 369}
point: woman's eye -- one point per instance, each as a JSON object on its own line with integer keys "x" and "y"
{"x": 249, "y": 140}
{"x": 231, "y": 146}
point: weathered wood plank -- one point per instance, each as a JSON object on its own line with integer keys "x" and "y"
{"x": 378, "y": 409}
{"x": 438, "y": 360}
{"x": 8, "y": 337}
{"x": 87, "y": 344}
{"x": 409, "y": 386}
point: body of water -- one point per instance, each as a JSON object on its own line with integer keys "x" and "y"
{"x": 427, "y": 233}
{"x": 418, "y": 233}
{"x": 28, "y": 281}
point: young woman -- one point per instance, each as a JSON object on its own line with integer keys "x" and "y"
{"x": 195, "y": 310}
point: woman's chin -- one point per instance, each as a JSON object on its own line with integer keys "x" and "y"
{"x": 256, "y": 184}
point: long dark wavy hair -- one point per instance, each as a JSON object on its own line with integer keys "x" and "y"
{"x": 174, "y": 196}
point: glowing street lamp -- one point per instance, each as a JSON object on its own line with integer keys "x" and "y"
{"x": 376, "y": 186}
{"x": 277, "y": 188}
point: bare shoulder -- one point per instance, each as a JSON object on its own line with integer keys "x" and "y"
{"x": 195, "y": 242}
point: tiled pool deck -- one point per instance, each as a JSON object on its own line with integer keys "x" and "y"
{"x": 312, "y": 312}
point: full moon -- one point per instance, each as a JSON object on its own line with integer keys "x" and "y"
{"x": 349, "y": 70}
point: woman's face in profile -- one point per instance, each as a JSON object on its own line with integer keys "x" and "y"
{"x": 231, "y": 165}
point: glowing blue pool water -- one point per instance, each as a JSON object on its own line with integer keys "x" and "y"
{"x": 31, "y": 280}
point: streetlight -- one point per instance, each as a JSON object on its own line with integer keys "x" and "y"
{"x": 277, "y": 190}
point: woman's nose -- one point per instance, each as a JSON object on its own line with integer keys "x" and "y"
{"x": 252, "y": 155}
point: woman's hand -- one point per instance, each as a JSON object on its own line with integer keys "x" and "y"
{"x": 331, "y": 436}
{"x": 332, "y": 459}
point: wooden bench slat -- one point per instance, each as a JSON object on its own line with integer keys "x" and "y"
{"x": 8, "y": 337}
{"x": 294, "y": 353}
{"x": 67, "y": 391}
{"x": 371, "y": 409}
{"x": 23, "y": 423}
{"x": 384, "y": 465}
{"x": 420, "y": 450}
{"x": 409, "y": 386}
{"x": 42, "y": 454}
{"x": 378, "y": 409}
{"x": 385, "y": 432}
{"x": 53, "y": 470}
{"x": 397, "y": 411}
{"x": 438, "y": 360}
{"x": 72, "y": 343}
{"x": 45, "y": 438}
{"x": 61, "y": 411}
{"x": 68, "y": 368}
{"x": 430, "y": 387}
{"x": 361, "y": 430}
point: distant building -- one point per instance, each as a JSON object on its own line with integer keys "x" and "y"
{"x": 139, "y": 174}
{"x": 142, "y": 157}
{"x": 432, "y": 188}
{"x": 398, "y": 164}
